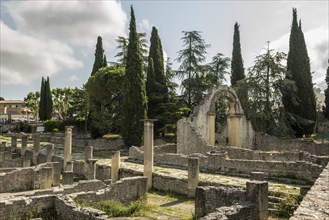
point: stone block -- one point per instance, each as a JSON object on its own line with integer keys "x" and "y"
{"x": 257, "y": 193}
{"x": 88, "y": 153}
{"x": 67, "y": 178}
{"x": 193, "y": 175}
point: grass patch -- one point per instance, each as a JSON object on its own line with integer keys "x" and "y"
{"x": 112, "y": 136}
{"x": 117, "y": 209}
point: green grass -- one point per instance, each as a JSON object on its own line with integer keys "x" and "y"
{"x": 112, "y": 136}
{"x": 117, "y": 209}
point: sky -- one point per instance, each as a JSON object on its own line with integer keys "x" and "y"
{"x": 58, "y": 38}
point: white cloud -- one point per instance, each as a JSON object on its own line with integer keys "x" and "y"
{"x": 74, "y": 78}
{"x": 144, "y": 26}
{"x": 25, "y": 58}
{"x": 317, "y": 47}
{"x": 79, "y": 22}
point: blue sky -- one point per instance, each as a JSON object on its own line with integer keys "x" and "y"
{"x": 57, "y": 38}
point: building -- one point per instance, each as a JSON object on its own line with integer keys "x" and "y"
{"x": 13, "y": 107}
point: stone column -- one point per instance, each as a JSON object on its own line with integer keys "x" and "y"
{"x": 91, "y": 169}
{"x": 23, "y": 145}
{"x": 148, "y": 150}
{"x": 67, "y": 178}
{"x": 88, "y": 153}
{"x": 56, "y": 173}
{"x": 193, "y": 176}
{"x": 211, "y": 118}
{"x": 257, "y": 176}
{"x": 257, "y": 193}
{"x": 13, "y": 143}
{"x": 50, "y": 152}
{"x": 234, "y": 130}
{"x": 26, "y": 162}
{"x": 67, "y": 145}
{"x": 115, "y": 166}
{"x": 36, "y": 148}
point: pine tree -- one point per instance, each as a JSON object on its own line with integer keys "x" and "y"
{"x": 237, "y": 70}
{"x": 190, "y": 70}
{"x": 301, "y": 116}
{"x": 326, "y": 93}
{"x": 42, "y": 110}
{"x": 156, "y": 88}
{"x": 134, "y": 94}
{"x": 48, "y": 100}
{"x": 99, "y": 56}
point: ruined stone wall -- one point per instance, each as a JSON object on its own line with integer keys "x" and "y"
{"x": 25, "y": 208}
{"x": 124, "y": 190}
{"x": 16, "y": 180}
{"x": 244, "y": 211}
{"x": 217, "y": 163}
{"x": 58, "y": 206}
{"x": 266, "y": 142}
{"x": 188, "y": 139}
{"x": 315, "y": 204}
{"x": 209, "y": 198}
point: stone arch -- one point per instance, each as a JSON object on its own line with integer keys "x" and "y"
{"x": 202, "y": 122}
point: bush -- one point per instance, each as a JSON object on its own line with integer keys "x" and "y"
{"x": 59, "y": 125}
{"x": 288, "y": 206}
{"x": 25, "y": 127}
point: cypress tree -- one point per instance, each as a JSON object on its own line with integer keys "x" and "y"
{"x": 156, "y": 88}
{"x": 105, "y": 61}
{"x": 99, "y": 56}
{"x": 237, "y": 70}
{"x": 48, "y": 100}
{"x": 298, "y": 67}
{"x": 42, "y": 110}
{"x": 326, "y": 93}
{"x": 134, "y": 94}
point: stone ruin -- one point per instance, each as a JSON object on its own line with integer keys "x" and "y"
{"x": 45, "y": 183}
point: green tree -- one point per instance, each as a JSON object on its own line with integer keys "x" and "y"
{"x": 191, "y": 58}
{"x": 32, "y": 102}
{"x": 123, "y": 50}
{"x": 48, "y": 100}
{"x": 265, "y": 85}
{"x": 134, "y": 94}
{"x": 326, "y": 93}
{"x": 99, "y": 56}
{"x": 301, "y": 116}
{"x": 1, "y": 98}
{"x": 237, "y": 70}
{"x": 42, "y": 102}
{"x": 105, "y": 61}
{"x": 156, "y": 85}
{"x": 217, "y": 69}
{"x": 105, "y": 94}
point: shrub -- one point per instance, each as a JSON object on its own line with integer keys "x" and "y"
{"x": 288, "y": 206}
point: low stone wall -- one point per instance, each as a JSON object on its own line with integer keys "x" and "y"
{"x": 220, "y": 164}
{"x": 210, "y": 198}
{"x": 244, "y": 211}
{"x": 58, "y": 206}
{"x": 266, "y": 142}
{"x": 233, "y": 203}
{"x": 23, "y": 208}
{"x": 315, "y": 204}
{"x": 124, "y": 190}
{"x": 23, "y": 179}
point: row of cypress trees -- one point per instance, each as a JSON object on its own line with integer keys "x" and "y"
{"x": 299, "y": 108}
